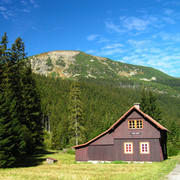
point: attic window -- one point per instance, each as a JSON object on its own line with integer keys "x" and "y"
{"x": 135, "y": 124}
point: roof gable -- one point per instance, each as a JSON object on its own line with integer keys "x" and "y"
{"x": 117, "y": 123}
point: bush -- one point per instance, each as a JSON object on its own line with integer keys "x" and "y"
{"x": 49, "y": 62}
{"x": 172, "y": 150}
{"x": 70, "y": 151}
{"x": 47, "y": 140}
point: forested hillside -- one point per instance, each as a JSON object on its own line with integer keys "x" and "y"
{"x": 104, "y": 102}
{"x": 79, "y": 65}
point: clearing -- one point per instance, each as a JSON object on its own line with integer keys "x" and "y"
{"x": 67, "y": 168}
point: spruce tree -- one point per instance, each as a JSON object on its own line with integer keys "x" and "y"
{"x": 31, "y": 115}
{"x": 11, "y": 146}
{"x": 76, "y": 121}
{"x": 29, "y": 102}
{"x": 20, "y": 118}
{"x": 149, "y": 105}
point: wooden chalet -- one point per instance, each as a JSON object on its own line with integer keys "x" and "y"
{"x": 134, "y": 137}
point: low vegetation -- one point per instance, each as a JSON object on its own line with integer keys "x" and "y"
{"x": 66, "y": 168}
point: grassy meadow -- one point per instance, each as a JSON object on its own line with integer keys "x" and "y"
{"x": 67, "y": 168}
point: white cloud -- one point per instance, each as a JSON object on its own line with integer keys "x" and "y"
{"x": 112, "y": 27}
{"x": 168, "y": 12}
{"x": 127, "y": 24}
{"x": 27, "y": 10}
{"x": 115, "y": 51}
{"x": 133, "y": 23}
{"x": 90, "y": 51}
{"x": 92, "y": 37}
{"x": 3, "y": 8}
{"x": 24, "y": 2}
{"x": 112, "y": 46}
{"x": 9, "y": 8}
{"x": 103, "y": 40}
{"x": 106, "y": 52}
{"x": 34, "y": 3}
{"x": 170, "y": 37}
{"x": 6, "y": 1}
{"x": 137, "y": 43}
{"x": 6, "y": 13}
{"x": 169, "y": 20}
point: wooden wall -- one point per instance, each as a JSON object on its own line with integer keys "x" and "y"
{"x": 101, "y": 152}
{"x": 82, "y": 154}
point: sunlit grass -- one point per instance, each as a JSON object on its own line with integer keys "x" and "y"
{"x": 66, "y": 168}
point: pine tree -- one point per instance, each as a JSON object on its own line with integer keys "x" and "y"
{"x": 31, "y": 115}
{"x": 76, "y": 121}
{"x": 20, "y": 120}
{"x": 29, "y": 102}
{"x": 149, "y": 105}
{"x": 11, "y": 146}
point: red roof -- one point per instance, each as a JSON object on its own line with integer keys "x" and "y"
{"x": 117, "y": 122}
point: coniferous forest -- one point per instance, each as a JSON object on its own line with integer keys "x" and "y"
{"x": 103, "y": 103}
{"x": 70, "y": 111}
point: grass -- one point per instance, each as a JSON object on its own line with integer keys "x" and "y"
{"x": 66, "y": 168}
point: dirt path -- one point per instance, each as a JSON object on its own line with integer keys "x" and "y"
{"x": 175, "y": 174}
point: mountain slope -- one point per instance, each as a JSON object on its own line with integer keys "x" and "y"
{"x": 78, "y": 64}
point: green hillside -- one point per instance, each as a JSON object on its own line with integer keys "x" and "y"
{"x": 108, "y": 89}
{"x": 104, "y": 102}
{"x": 79, "y": 65}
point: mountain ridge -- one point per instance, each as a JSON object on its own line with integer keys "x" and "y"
{"x": 73, "y": 64}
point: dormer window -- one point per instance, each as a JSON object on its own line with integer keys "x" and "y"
{"x": 135, "y": 124}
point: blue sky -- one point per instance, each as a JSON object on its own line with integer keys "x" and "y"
{"x": 140, "y": 32}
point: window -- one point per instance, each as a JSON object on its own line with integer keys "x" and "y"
{"x": 144, "y": 147}
{"x": 128, "y": 148}
{"x": 139, "y": 124}
{"x": 135, "y": 124}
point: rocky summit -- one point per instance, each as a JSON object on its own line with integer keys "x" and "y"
{"x": 74, "y": 64}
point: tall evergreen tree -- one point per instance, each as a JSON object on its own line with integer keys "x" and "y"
{"x": 29, "y": 102}
{"x": 76, "y": 121}
{"x": 20, "y": 121}
{"x": 31, "y": 115}
{"x": 11, "y": 146}
{"x": 149, "y": 105}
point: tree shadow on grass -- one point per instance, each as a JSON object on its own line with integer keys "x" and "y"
{"x": 34, "y": 160}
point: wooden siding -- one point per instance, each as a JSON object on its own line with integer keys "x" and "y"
{"x": 148, "y": 131}
{"x": 106, "y": 139}
{"x": 82, "y": 154}
{"x": 155, "y": 153}
{"x": 101, "y": 153}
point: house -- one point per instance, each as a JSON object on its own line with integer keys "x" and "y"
{"x": 134, "y": 137}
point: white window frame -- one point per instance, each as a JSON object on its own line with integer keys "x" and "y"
{"x": 141, "y": 148}
{"x": 129, "y": 144}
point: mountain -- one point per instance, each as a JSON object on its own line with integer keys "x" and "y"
{"x": 77, "y": 64}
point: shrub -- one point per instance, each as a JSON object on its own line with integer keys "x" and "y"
{"x": 70, "y": 151}
{"x": 49, "y": 62}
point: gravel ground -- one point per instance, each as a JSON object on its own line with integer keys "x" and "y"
{"x": 175, "y": 174}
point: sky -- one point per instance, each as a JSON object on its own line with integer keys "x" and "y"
{"x": 139, "y": 32}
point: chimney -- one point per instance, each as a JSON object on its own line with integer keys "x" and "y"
{"x": 137, "y": 105}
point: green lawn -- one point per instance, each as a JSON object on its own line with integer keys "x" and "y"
{"x": 66, "y": 168}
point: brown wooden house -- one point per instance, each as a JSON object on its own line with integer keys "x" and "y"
{"x": 134, "y": 137}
